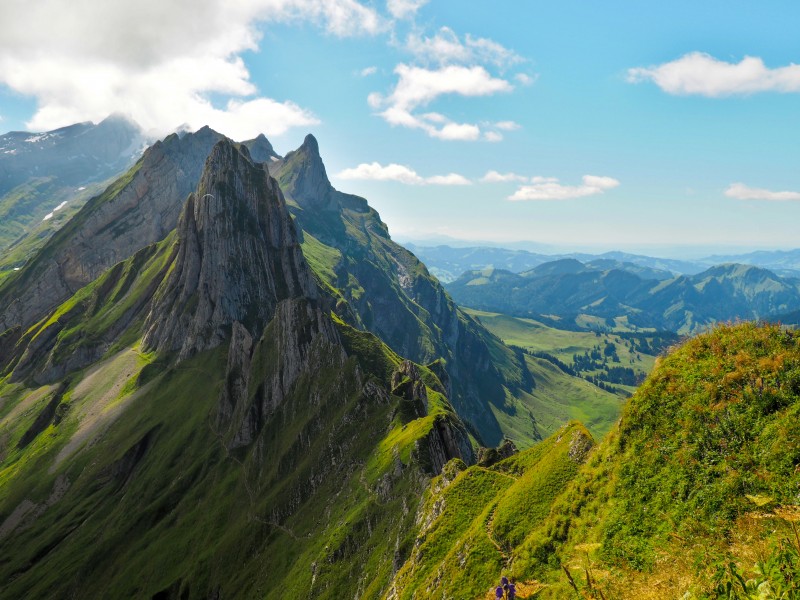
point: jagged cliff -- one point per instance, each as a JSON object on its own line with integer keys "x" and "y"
{"x": 388, "y": 291}
{"x": 139, "y": 209}
{"x": 236, "y": 258}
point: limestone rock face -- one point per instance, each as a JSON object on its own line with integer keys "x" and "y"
{"x": 299, "y": 343}
{"x": 237, "y": 257}
{"x": 447, "y": 438}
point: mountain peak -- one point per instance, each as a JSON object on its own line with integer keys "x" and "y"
{"x": 306, "y": 180}
{"x": 261, "y": 149}
{"x": 237, "y": 257}
{"x": 310, "y": 145}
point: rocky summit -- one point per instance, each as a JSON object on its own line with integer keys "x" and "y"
{"x": 236, "y": 257}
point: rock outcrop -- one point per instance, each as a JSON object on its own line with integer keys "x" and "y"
{"x": 237, "y": 257}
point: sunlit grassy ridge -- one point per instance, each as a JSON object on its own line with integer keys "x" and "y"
{"x": 666, "y": 502}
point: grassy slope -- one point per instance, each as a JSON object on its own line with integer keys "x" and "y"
{"x": 536, "y": 336}
{"x": 684, "y": 487}
{"x": 472, "y": 517}
{"x": 155, "y": 502}
{"x": 694, "y": 495}
{"x": 559, "y": 397}
{"x": 24, "y": 231}
{"x": 190, "y": 512}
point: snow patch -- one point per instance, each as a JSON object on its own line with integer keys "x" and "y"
{"x": 49, "y": 215}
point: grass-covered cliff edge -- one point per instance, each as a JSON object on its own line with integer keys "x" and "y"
{"x": 694, "y": 494}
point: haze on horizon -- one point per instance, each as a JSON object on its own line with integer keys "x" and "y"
{"x": 668, "y": 128}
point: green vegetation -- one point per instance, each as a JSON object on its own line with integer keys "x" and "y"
{"x": 671, "y": 496}
{"x": 93, "y": 320}
{"x": 23, "y": 230}
{"x": 693, "y": 496}
{"x": 560, "y": 395}
{"x": 132, "y": 475}
{"x": 472, "y": 518}
{"x": 605, "y": 350}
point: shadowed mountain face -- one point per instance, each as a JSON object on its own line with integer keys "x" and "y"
{"x": 683, "y": 304}
{"x": 138, "y": 209}
{"x": 73, "y": 155}
{"x": 388, "y": 291}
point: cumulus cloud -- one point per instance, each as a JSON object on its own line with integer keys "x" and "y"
{"x": 393, "y": 172}
{"x": 403, "y": 9}
{"x": 419, "y": 86}
{"x": 497, "y": 177}
{"x": 549, "y": 188}
{"x": 698, "y": 73}
{"x": 160, "y": 63}
{"x": 445, "y": 64}
{"x": 740, "y": 191}
{"x": 368, "y": 71}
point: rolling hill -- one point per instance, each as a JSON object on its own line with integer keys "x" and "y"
{"x": 682, "y": 304}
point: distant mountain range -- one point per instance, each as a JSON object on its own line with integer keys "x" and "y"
{"x": 46, "y": 177}
{"x": 448, "y": 262}
{"x": 642, "y": 297}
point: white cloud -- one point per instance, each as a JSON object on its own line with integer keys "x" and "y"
{"x": 403, "y": 9}
{"x": 742, "y": 192}
{"x": 525, "y": 79}
{"x": 445, "y": 47}
{"x": 493, "y": 136}
{"x": 507, "y": 125}
{"x": 449, "y": 179}
{"x": 419, "y": 86}
{"x": 497, "y": 177}
{"x": 698, "y": 73}
{"x": 377, "y": 172}
{"x": 368, "y": 71}
{"x": 157, "y": 62}
{"x": 445, "y": 64}
{"x": 393, "y": 172}
{"x": 548, "y": 188}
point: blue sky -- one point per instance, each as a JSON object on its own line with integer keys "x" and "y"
{"x": 668, "y": 128}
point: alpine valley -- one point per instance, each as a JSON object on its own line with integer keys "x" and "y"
{"x": 221, "y": 378}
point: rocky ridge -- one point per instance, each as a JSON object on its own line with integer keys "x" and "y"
{"x": 237, "y": 257}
